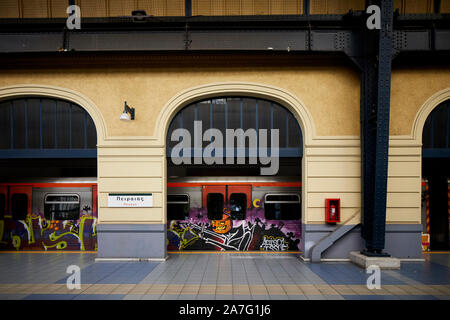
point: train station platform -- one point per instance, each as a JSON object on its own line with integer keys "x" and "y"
{"x": 228, "y": 276}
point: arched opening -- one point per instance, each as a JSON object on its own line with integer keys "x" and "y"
{"x": 436, "y": 177}
{"x": 48, "y": 174}
{"x": 234, "y": 176}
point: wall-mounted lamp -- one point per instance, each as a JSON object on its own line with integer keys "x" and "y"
{"x": 125, "y": 116}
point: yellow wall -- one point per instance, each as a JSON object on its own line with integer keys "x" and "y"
{"x": 246, "y": 7}
{"x": 409, "y": 91}
{"x": 114, "y": 8}
{"x": 331, "y": 93}
{"x": 324, "y": 97}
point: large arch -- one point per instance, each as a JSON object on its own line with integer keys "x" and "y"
{"x": 42, "y": 187}
{"x": 425, "y": 110}
{"x": 281, "y": 96}
{"x": 37, "y": 90}
{"x": 251, "y": 90}
{"x": 435, "y": 174}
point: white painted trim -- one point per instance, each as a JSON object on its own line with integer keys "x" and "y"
{"x": 38, "y": 90}
{"x": 424, "y": 112}
{"x": 275, "y": 94}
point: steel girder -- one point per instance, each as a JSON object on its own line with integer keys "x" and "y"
{"x": 375, "y": 109}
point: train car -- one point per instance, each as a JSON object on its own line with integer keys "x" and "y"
{"x": 233, "y": 213}
{"x": 203, "y": 213}
{"x": 49, "y": 214}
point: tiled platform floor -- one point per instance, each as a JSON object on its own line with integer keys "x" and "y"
{"x": 237, "y": 276}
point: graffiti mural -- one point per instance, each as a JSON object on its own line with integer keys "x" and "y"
{"x": 38, "y": 233}
{"x": 255, "y": 233}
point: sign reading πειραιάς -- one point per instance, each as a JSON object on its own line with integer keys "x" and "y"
{"x": 130, "y": 200}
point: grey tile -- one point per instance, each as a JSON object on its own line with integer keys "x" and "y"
{"x": 133, "y": 297}
{"x": 224, "y": 297}
{"x": 169, "y": 297}
{"x": 187, "y": 297}
{"x": 297, "y": 297}
{"x": 315, "y": 297}
{"x": 206, "y": 297}
{"x": 242, "y": 297}
{"x": 150, "y": 297}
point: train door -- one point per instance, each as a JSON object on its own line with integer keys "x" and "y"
{"x": 214, "y": 199}
{"x": 20, "y": 201}
{"x": 239, "y": 199}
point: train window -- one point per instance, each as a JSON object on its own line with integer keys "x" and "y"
{"x": 177, "y": 206}
{"x": 19, "y": 206}
{"x": 214, "y": 202}
{"x": 282, "y": 206}
{"x": 2, "y": 205}
{"x": 62, "y": 206}
{"x": 238, "y": 206}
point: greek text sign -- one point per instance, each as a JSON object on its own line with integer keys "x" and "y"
{"x": 130, "y": 200}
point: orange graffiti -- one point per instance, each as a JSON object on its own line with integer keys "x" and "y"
{"x": 224, "y": 225}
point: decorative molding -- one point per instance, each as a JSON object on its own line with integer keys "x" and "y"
{"x": 38, "y": 90}
{"x": 281, "y": 96}
{"x": 425, "y": 110}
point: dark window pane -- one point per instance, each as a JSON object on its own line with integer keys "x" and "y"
{"x": 2, "y": 205}
{"x": 238, "y": 206}
{"x": 234, "y": 113}
{"x": 34, "y": 131}
{"x": 177, "y": 207}
{"x": 5, "y": 125}
{"x": 62, "y": 207}
{"x": 294, "y": 133}
{"x": 203, "y": 114}
{"x": 218, "y": 113}
{"x": 282, "y": 207}
{"x": 62, "y": 211}
{"x": 439, "y": 127}
{"x": 48, "y": 123}
{"x": 282, "y": 197}
{"x": 19, "y": 123}
{"x": 178, "y": 198}
{"x": 78, "y": 127}
{"x": 188, "y": 117}
{"x": 215, "y": 206}
{"x": 282, "y": 211}
{"x": 63, "y": 124}
{"x": 19, "y": 206}
{"x": 175, "y": 124}
{"x": 426, "y": 137}
{"x": 279, "y": 122}
{"x": 264, "y": 115}
{"x": 248, "y": 113}
{"x": 91, "y": 133}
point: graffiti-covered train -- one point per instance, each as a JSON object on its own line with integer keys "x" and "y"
{"x": 234, "y": 213}
{"x": 203, "y": 213}
{"x": 49, "y": 214}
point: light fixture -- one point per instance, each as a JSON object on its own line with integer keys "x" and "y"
{"x": 125, "y": 116}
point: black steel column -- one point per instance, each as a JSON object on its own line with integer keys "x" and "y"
{"x": 375, "y": 108}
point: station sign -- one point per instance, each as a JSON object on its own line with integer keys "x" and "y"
{"x": 116, "y": 200}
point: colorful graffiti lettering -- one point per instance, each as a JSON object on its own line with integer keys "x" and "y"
{"x": 38, "y": 233}
{"x": 254, "y": 233}
{"x": 273, "y": 244}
